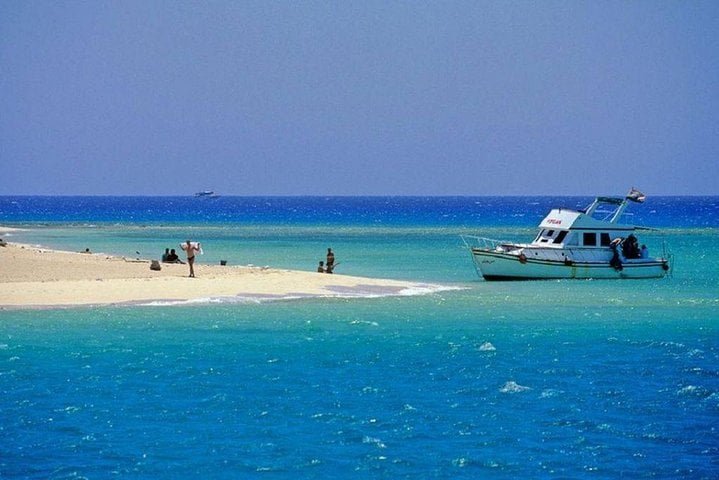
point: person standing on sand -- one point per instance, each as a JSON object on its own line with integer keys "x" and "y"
{"x": 191, "y": 248}
{"x": 330, "y": 259}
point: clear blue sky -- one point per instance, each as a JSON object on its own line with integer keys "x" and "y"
{"x": 359, "y": 98}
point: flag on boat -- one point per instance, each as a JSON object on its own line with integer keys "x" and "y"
{"x": 636, "y": 196}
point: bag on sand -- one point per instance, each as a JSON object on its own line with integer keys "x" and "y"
{"x": 155, "y": 265}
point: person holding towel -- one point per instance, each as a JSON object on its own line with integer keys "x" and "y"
{"x": 191, "y": 248}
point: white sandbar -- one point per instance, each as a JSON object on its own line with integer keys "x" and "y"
{"x": 32, "y": 277}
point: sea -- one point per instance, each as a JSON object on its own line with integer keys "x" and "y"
{"x": 568, "y": 379}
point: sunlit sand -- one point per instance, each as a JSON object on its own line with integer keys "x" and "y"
{"x": 38, "y": 277}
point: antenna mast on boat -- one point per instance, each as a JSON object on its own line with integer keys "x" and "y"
{"x": 634, "y": 195}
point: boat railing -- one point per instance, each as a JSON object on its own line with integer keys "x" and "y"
{"x": 488, "y": 244}
{"x": 565, "y": 254}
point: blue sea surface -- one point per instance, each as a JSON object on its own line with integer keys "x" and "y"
{"x": 542, "y": 379}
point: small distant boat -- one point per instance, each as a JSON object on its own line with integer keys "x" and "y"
{"x": 206, "y": 194}
{"x": 573, "y": 244}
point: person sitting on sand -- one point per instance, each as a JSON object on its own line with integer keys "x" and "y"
{"x": 172, "y": 258}
{"x": 190, "y": 249}
{"x": 321, "y": 267}
{"x": 165, "y": 255}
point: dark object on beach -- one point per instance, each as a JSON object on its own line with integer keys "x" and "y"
{"x": 223, "y": 262}
{"x": 155, "y": 265}
{"x": 3, "y": 243}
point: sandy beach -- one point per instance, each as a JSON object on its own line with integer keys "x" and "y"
{"x": 35, "y": 277}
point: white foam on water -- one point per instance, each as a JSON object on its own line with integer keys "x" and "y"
{"x": 694, "y": 391}
{"x": 550, "y": 393}
{"x": 374, "y": 441}
{"x": 360, "y": 291}
{"x": 460, "y": 462}
{"x": 487, "y": 347}
{"x": 243, "y": 300}
{"x": 426, "y": 289}
{"x": 364, "y": 322}
{"x": 513, "y": 387}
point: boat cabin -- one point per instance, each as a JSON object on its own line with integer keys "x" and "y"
{"x": 582, "y": 228}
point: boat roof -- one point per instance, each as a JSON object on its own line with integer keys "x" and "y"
{"x": 567, "y": 219}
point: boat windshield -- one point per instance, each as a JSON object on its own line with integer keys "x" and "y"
{"x": 547, "y": 235}
{"x": 560, "y": 237}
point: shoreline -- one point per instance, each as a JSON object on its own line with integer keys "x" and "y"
{"x": 42, "y": 278}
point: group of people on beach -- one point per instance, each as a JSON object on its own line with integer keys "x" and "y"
{"x": 170, "y": 256}
{"x": 330, "y": 265}
{"x": 190, "y": 248}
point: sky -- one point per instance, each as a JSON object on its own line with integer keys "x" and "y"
{"x": 359, "y": 98}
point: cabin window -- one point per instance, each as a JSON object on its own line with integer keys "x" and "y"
{"x": 561, "y": 236}
{"x": 604, "y": 239}
{"x": 545, "y": 236}
{"x": 590, "y": 239}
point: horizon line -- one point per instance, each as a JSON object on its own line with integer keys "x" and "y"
{"x": 337, "y": 196}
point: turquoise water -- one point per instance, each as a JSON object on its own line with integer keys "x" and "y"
{"x": 556, "y": 379}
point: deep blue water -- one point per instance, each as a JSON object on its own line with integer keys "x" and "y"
{"x": 559, "y": 379}
{"x": 695, "y": 212}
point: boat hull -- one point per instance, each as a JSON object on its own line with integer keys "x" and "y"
{"x": 493, "y": 265}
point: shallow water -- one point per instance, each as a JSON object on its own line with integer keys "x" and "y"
{"x": 556, "y": 379}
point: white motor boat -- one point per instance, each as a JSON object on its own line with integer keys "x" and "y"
{"x": 206, "y": 194}
{"x": 573, "y": 244}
